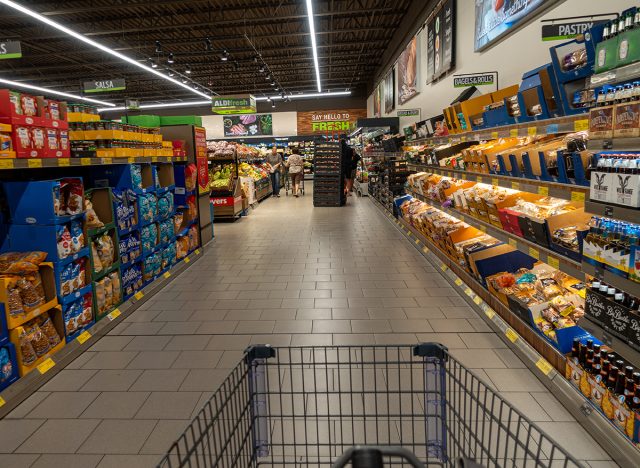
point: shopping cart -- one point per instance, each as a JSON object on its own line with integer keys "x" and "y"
{"x": 372, "y": 406}
{"x": 288, "y": 185}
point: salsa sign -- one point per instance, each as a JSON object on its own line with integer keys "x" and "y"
{"x": 329, "y": 121}
{"x": 104, "y": 86}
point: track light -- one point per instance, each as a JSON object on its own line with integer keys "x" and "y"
{"x": 184, "y": 80}
{"x": 268, "y": 99}
{"x": 268, "y": 77}
{"x": 282, "y": 95}
{"x": 261, "y": 69}
{"x": 314, "y": 47}
{"x": 158, "y": 47}
{"x": 225, "y": 55}
{"x": 273, "y": 83}
{"x": 171, "y": 73}
{"x": 187, "y": 70}
{"x": 255, "y": 59}
{"x": 273, "y": 104}
{"x": 170, "y": 58}
{"x": 208, "y": 45}
{"x": 153, "y": 63}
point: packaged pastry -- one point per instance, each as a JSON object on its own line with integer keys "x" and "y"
{"x": 92, "y": 219}
{"x": 100, "y": 296}
{"x": 14, "y": 299}
{"x": 115, "y": 285}
{"x": 136, "y": 175}
{"x": 54, "y": 109}
{"x": 177, "y": 221}
{"x": 87, "y": 310}
{"x": 37, "y": 138}
{"x": 29, "y": 294}
{"x": 73, "y": 196}
{"x": 26, "y": 348}
{"x": 18, "y": 263}
{"x": 97, "y": 264}
{"x": 108, "y": 293}
{"x": 14, "y": 98}
{"x": 36, "y": 280}
{"x": 190, "y": 177}
{"x": 38, "y": 339}
{"x": 64, "y": 240}
{"x": 49, "y": 330}
{"x": 28, "y": 105}
{"x": 52, "y": 138}
{"x": 24, "y": 137}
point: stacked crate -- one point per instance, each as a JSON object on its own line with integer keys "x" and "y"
{"x": 328, "y": 180}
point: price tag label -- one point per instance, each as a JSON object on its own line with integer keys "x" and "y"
{"x": 577, "y": 196}
{"x": 489, "y": 313}
{"x": 197, "y": 251}
{"x": 408, "y": 233}
{"x": 107, "y": 161}
{"x": 544, "y": 366}
{"x": 114, "y": 314}
{"x": 166, "y": 275}
{"x": 513, "y": 132}
{"x": 131, "y": 159}
{"x": 85, "y": 161}
{"x": 495, "y": 182}
{"x": 513, "y": 243}
{"x": 464, "y": 176}
{"x": 187, "y": 259}
{"x": 154, "y": 158}
{"x": 425, "y": 249}
{"x": 581, "y": 125}
{"x": 468, "y": 292}
{"x": 2, "y": 402}
{"x": 477, "y": 300}
{"x": 553, "y": 262}
{"x": 483, "y": 228}
{"x": 64, "y": 162}
{"x": 511, "y": 335}
{"x": 552, "y": 128}
{"x": 458, "y": 282}
{"x": 534, "y": 252}
{"x": 515, "y": 185}
{"x": 34, "y": 163}
{"x": 46, "y": 365}
{"x": 83, "y": 337}
{"x": 463, "y": 138}
{"x": 417, "y": 241}
{"x": 494, "y": 135}
{"x": 544, "y": 191}
{"x": 532, "y": 131}
{"x": 443, "y": 267}
{"x": 139, "y": 295}
{"x": 6, "y": 164}
{"x": 479, "y": 179}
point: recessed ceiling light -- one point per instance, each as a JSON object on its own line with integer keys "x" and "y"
{"x": 170, "y": 73}
{"x": 187, "y": 70}
{"x": 153, "y": 63}
{"x": 261, "y": 69}
{"x": 158, "y": 47}
{"x": 170, "y": 58}
{"x": 208, "y": 45}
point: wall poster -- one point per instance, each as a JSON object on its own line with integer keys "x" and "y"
{"x": 390, "y": 91}
{"x": 377, "y": 101}
{"x": 408, "y": 71}
{"x": 248, "y": 125}
{"x": 441, "y": 35}
{"x": 496, "y": 18}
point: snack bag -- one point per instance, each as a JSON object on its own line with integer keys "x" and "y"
{"x": 124, "y": 252}
{"x": 77, "y": 236}
{"x": 136, "y": 176}
{"x": 134, "y": 246}
{"x": 177, "y": 221}
{"x": 87, "y": 309}
{"x": 14, "y": 299}
{"x": 14, "y": 99}
{"x": 149, "y": 237}
{"x": 92, "y": 219}
{"x": 64, "y": 241}
{"x": 182, "y": 247}
{"x": 74, "y": 195}
{"x": 54, "y": 110}
{"x": 63, "y": 138}
{"x": 26, "y": 348}
{"x": 190, "y": 177}
{"x": 57, "y": 206}
{"x": 106, "y": 250}
{"x": 115, "y": 284}
{"x": 49, "y": 330}
{"x": 191, "y": 206}
{"x": 37, "y": 138}
{"x": 163, "y": 207}
{"x": 70, "y": 322}
{"x": 97, "y": 264}
{"x": 66, "y": 280}
{"x": 28, "y": 105}
{"x": 29, "y": 294}
{"x": 108, "y": 293}
{"x": 193, "y": 238}
{"x": 100, "y": 296}
{"x": 24, "y": 137}
{"x": 38, "y": 339}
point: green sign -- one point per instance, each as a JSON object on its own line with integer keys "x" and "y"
{"x": 563, "y": 31}
{"x": 10, "y": 49}
{"x": 331, "y": 126}
{"x": 237, "y": 104}
{"x": 409, "y": 113}
{"x": 104, "y": 86}
{"x": 473, "y": 80}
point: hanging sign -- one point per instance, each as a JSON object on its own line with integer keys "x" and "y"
{"x": 132, "y": 104}
{"x": 236, "y": 104}
{"x": 10, "y": 49}
{"x": 409, "y": 113}
{"x": 200, "y": 140}
{"x": 104, "y": 86}
{"x": 328, "y": 121}
{"x": 563, "y": 30}
{"x": 473, "y": 80}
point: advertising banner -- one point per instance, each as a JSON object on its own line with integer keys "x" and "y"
{"x": 236, "y": 104}
{"x": 329, "y": 121}
{"x": 441, "y": 41}
{"x": 202, "y": 163}
{"x": 248, "y": 125}
{"x": 408, "y": 72}
{"x": 390, "y": 91}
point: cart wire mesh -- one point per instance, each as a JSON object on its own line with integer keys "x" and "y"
{"x": 305, "y": 406}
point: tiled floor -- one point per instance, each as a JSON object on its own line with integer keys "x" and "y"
{"x": 288, "y": 274}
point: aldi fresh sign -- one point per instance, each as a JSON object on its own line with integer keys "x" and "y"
{"x": 10, "y": 49}
{"x": 104, "y": 86}
{"x": 237, "y": 104}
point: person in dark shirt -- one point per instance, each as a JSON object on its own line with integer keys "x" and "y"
{"x": 350, "y": 161}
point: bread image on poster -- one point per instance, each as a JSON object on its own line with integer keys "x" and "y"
{"x": 408, "y": 72}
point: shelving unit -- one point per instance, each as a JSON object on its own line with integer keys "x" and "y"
{"x": 74, "y": 162}
{"x": 612, "y": 211}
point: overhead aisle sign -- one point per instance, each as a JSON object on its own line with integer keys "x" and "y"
{"x": 10, "y": 49}
{"x": 236, "y": 104}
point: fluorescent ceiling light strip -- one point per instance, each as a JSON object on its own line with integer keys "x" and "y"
{"x": 97, "y": 45}
{"x": 17, "y": 84}
{"x": 203, "y": 103}
{"x": 314, "y": 48}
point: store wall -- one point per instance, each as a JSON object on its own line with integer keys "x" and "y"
{"x": 284, "y": 124}
{"x": 520, "y": 52}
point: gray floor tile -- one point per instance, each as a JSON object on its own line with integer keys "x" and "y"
{"x": 197, "y": 360}
{"x": 27, "y": 405}
{"x": 255, "y": 326}
{"x": 219, "y": 327}
{"x": 351, "y": 313}
{"x": 129, "y": 461}
{"x": 187, "y": 343}
{"x": 110, "y": 360}
{"x": 273, "y": 340}
{"x": 169, "y": 405}
{"x": 144, "y": 328}
{"x": 15, "y": 460}
{"x": 224, "y": 342}
{"x": 67, "y": 461}
{"x": 450, "y": 340}
{"x": 159, "y": 380}
{"x": 69, "y": 380}
{"x": 154, "y": 360}
{"x": 112, "y": 343}
{"x": 386, "y": 313}
{"x": 514, "y": 380}
{"x": 348, "y": 339}
{"x": 147, "y": 343}
{"x": 292, "y": 326}
{"x": 115, "y": 405}
{"x": 63, "y": 405}
{"x": 315, "y": 294}
{"x": 396, "y": 339}
{"x": 410, "y": 326}
{"x": 15, "y": 432}
{"x": 451, "y": 325}
{"x": 208, "y": 315}
{"x": 423, "y": 313}
{"x": 112, "y": 380}
{"x": 331, "y": 326}
{"x": 163, "y": 435}
{"x": 370, "y": 326}
{"x": 311, "y": 340}
{"x": 203, "y": 380}
{"x": 69, "y": 435}
{"x": 478, "y": 358}
{"x": 482, "y": 340}
{"x": 179, "y": 328}
{"x": 126, "y": 436}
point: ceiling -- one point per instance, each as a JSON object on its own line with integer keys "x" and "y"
{"x": 351, "y": 37}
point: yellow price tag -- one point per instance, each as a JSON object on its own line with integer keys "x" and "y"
{"x": 513, "y": 132}
{"x": 532, "y": 131}
{"x": 45, "y": 365}
{"x": 464, "y": 176}
{"x": 443, "y": 267}
{"x": 83, "y": 337}
{"x": 468, "y": 291}
{"x": 479, "y": 179}
{"x": 581, "y": 125}
{"x": 166, "y": 274}
{"x": 131, "y": 159}
{"x": 187, "y": 259}
{"x": 494, "y": 135}
{"x": 85, "y": 161}
{"x": 2, "y": 402}
{"x": 582, "y": 293}
{"x": 197, "y": 251}
{"x": 495, "y": 182}
{"x": 483, "y": 228}
{"x": 425, "y": 249}
{"x": 64, "y": 162}
{"x": 513, "y": 243}
{"x": 544, "y": 366}
{"x": 458, "y": 282}
{"x": 477, "y": 300}
{"x": 489, "y": 313}
{"x": 114, "y": 314}
{"x": 408, "y": 233}
{"x": 577, "y": 196}
{"x": 534, "y": 252}
{"x": 553, "y": 262}
{"x": 139, "y": 295}
{"x": 154, "y": 158}
{"x": 417, "y": 241}
{"x": 463, "y": 138}
{"x": 34, "y": 163}
{"x": 544, "y": 191}
{"x": 515, "y": 185}
{"x": 511, "y": 335}
{"x": 6, "y": 164}
{"x": 107, "y": 161}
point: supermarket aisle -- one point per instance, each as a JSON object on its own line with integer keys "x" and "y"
{"x": 286, "y": 275}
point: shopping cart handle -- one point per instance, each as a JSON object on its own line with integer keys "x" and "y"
{"x": 371, "y": 457}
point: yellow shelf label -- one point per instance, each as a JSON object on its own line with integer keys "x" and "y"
{"x": 154, "y": 158}
{"x": 197, "y": 251}
{"x": 477, "y": 300}
{"x": 85, "y": 161}
{"x": 443, "y": 267}
{"x": 494, "y": 135}
{"x": 544, "y": 191}
{"x": 64, "y": 162}
{"x": 187, "y": 259}
{"x": 464, "y": 176}
{"x": 46, "y": 365}
{"x": 483, "y": 228}
{"x": 581, "y": 125}
{"x": 468, "y": 291}
{"x": 513, "y": 132}
{"x": 425, "y": 249}
{"x": 458, "y": 282}
{"x": 83, "y": 337}
{"x": 139, "y": 295}
{"x": 515, "y": 185}
{"x": 534, "y": 253}
{"x": 489, "y": 313}
{"x": 513, "y": 243}
{"x": 408, "y": 233}
{"x": 34, "y": 163}
{"x": 417, "y": 241}
{"x": 553, "y": 262}
{"x": 114, "y": 314}
{"x": 544, "y": 366}
{"x": 166, "y": 275}
{"x": 479, "y": 179}
{"x": 532, "y": 131}
{"x": 495, "y": 182}
{"x": 6, "y": 164}
{"x": 107, "y": 160}
{"x": 511, "y": 335}
{"x": 131, "y": 159}
{"x": 577, "y": 196}
{"x": 2, "y": 402}
{"x": 463, "y": 138}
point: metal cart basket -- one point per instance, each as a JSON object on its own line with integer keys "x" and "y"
{"x": 288, "y": 184}
{"x": 306, "y": 406}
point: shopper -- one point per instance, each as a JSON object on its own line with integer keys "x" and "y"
{"x": 349, "y": 165}
{"x": 275, "y": 161}
{"x": 295, "y": 163}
